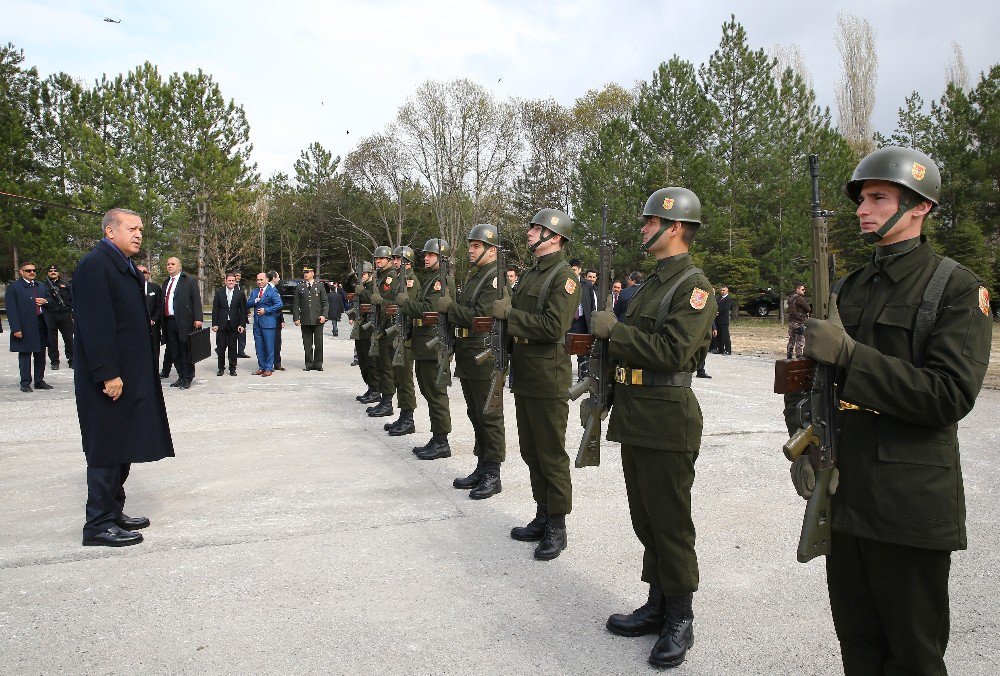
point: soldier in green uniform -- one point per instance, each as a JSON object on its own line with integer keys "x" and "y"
{"x": 661, "y": 339}
{"x": 476, "y": 299}
{"x": 362, "y": 337}
{"x": 310, "y": 308}
{"x": 426, "y": 358}
{"x": 539, "y": 312}
{"x": 904, "y": 379}
{"x": 402, "y": 363}
{"x": 385, "y": 276}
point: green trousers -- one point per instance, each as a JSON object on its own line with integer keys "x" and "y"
{"x": 312, "y": 344}
{"x": 366, "y": 363}
{"x": 541, "y": 435}
{"x": 386, "y": 373}
{"x": 658, "y": 484}
{"x": 403, "y": 375}
{"x": 491, "y": 438}
{"x": 435, "y": 395}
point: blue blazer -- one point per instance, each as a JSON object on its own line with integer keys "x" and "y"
{"x": 22, "y": 316}
{"x": 271, "y": 302}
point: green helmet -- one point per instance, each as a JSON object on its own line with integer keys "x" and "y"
{"x": 485, "y": 233}
{"x": 674, "y": 204}
{"x": 904, "y": 166}
{"x": 437, "y": 246}
{"x": 382, "y": 252}
{"x": 365, "y": 267}
{"x": 403, "y": 252}
{"x": 556, "y": 221}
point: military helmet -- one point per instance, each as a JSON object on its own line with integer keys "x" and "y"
{"x": 437, "y": 246}
{"x": 903, "y": 166}
{"x": 382, "y": 252}
{"x": 485, "y": 233}
{"x": 556, "y": 221}
{"x": 365, "y": 267}
{"x": 674, "y": 204}
{"x": 403, "y": 252}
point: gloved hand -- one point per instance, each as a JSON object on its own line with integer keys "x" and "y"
{"x": 376, "y": 298}
{"x": 444, "y": 303}
{"x": 352, "y": 314}
{"x": 601, "y": 323}
{"x": 804, "y": 477}
{"x": 359, "y": 289}
{"x": 401, "y": 297}
{"x": 501, "y": 307}
{"x": 826, "y": 340}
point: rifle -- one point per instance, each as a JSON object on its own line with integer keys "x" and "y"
{"x": 376, "y": 316}
{"x": 444, "y": 341}
{"x": 816, "y": 413}
{"x": 497, "y": 343}
{"x": 600, "y": 371}
{"x": 401, "y": 325}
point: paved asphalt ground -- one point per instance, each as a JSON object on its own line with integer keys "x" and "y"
{"x": 292, "y": 535}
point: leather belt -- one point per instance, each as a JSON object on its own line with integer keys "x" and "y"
{"x": 848, "y": 406}
{"x": 418, "y": 322}
{"x": 467, "y": 333}
{"x": 649, "y": 378}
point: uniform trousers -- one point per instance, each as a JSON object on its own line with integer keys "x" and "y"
{"x": 386, "y": 373}
{"x": 541, "y": 432}
{"x": 60, "y": 323}
{"x": 225, "y": 342}
{"x": 658, "y": 484}
{"x": 435, "y": 395}
{"x": 890, "y": 606}
{"x": 366, "y": 363}
{"x": 105, "y": 497}
{"x": 312, "y": 344}
{"x": 491, "y": 441}
{"x": 179, "y": 350}
{"x": 403, "y": 374}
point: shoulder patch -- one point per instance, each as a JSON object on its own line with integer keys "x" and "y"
{"x": 388, "y": 281}
{"x": 437, "y": 286}
{"x": 494, "y": 282}
{"x": 570, "y": 285}
{"x": 698, "y": 298}
{"x": 984, "y": 300}
{"x": 409, "y": 284}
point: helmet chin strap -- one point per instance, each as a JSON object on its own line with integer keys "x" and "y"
{"x": 545, "y": 237}
{"x": 486, "y": 248}
{"x": 876, "y": 236}
{"x": 652, "y": 240}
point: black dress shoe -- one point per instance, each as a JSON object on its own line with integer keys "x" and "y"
{"x": 26, "y": 388}
{"x": 490, "y": 484}
{"x": 354, "y": 363}
{"x": 164, "y": 376}
{"x": 221, "y": 371}
{"x": 279, "y": 368}
{"x": 69, "y": 363}
{"x": 471, "y": 481}
{"x": 242, "y": 355}
{"x": 307, "y": 368}
{"x": 702, "y": 374}
{"x": 42, "y": 385}
{"x": 317, "y": 368}
{"x": 646, "y": 619}
{"x": 126, "y": 522}
{"x": 535, "y": 529}
{"x": 232, "y": 371}
{"x": 186, "y": 385}
{"x": 554, "y": 540}
{"x": 112, "y": 537}
{"x": 177, "y": 383}
{"x": 54, "y": 366}
{"x": 677, "y": 635}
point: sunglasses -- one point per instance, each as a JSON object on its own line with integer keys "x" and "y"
{"x": 29, "y": 271}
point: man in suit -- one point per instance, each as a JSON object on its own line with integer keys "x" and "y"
{"x": 59, "y": 316}
{"x": 229, "y": 320}
{"x": 182, "y": 313}
{"x": 726, "y": 303}
{"x": 274, "y": 279}
{"x": 310, "y": 309}
{"x": 154, "y": 306}
{"x": 265, "y": 303}
{"x": 581, "y": 318}
{"x": 337, "y": 301}
{"x": 634, "y": 283}
{"x": 118, "y": 396}
{"x": 241, "y": 338}
{"x": 29, "y": 332}
{"x": 616, "y": 292}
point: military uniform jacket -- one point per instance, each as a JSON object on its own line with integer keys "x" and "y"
{"x": 309, "y": 304}
{"x": 662, "y": 416}
{"x": 60, "y": 295}
{"x": 900, "y": 476}
{"x": 393, "y": 284}
{"x": 474, "y": 300}
{"x": 798, "y": 308}
{"x": 539, "y": 365}
{"x": 359, "y": 322}
{"x": 415, "y": 307}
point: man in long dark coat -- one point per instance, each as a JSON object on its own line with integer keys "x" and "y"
{"x": 28, "y": 330}
{"x": 118, "y": 395}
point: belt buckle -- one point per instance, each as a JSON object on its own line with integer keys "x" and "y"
{"x": 637, "y": 376}
{"x": 620, "y": 374}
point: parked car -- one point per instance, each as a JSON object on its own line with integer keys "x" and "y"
{"x": 764, "y": 303}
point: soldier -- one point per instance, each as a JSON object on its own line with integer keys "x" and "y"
{"x": 59, "y": 316}
{"x": 661, "y": 339}
{"x": 798, "y": 311}
{"x": 362, "y": 337}
{"x": 478, "y": 294}
{"x": 905, "y": 378}
{"x": 402, "y": 364}
{"x": 435, "y": 394}
{"x": 539, "y": 312}
{"x": 382, "y": 358}
{"x": 310, "y": 308}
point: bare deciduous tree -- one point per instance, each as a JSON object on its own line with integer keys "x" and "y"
{"x": 856, "y": 88}
{"x": 956, "y": 71}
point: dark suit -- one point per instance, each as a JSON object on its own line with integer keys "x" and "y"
{"x": 581, "y": 323}
{"x": 154, "y": 306}
{"x": 722, "y": 323}
{"x": 228, "y": 319}
{"x": 112, "y": 340}
{"x": 337, "y": 302}
{"x": 25, "y": 317}
{"x": 624, "y": 298}
{"x": 277, "y": 333}
{"x": 179, "y": 320}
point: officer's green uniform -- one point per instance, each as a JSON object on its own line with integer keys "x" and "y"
{"x": 426, "y": 358}
{"x": 659, "y": 421}
{"x": 402, "y": 375}
{"x": 385, "y": 283}
{"x": 541, "y": 375}
{"x": 308, "y": 305}
{"x": 362, "y": 340}
{"x": 475, "y": 300}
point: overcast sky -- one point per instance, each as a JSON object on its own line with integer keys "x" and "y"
{"x": 312, "y": 71}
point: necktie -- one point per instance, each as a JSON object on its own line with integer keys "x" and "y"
{"x": 166, "y": 298}
{"x": 260, "y": 295}
{"x": 34, "y": 294}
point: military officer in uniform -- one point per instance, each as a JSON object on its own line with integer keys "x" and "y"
{"x": 904, "y": 379}
{"x": 385, "y": 277}
{"x": 661, "y": 339}
{"x": 401, "y": 355}
{"x": 361, "y": 336}
{"x": 476, "y": 300}
{"x": 310, "y": 308}
{"x": 539, "y": 313}
{"x": 426, "y": 358}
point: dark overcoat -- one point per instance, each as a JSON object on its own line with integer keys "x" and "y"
{"x": 22, "y": 316}
{"x": 114, "y": 339}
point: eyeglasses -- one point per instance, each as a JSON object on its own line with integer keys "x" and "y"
{"x": 29, "y": 271}
{"x": 145, "y": 272}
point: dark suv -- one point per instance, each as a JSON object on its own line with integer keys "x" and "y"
{"x": 761, "y": 305}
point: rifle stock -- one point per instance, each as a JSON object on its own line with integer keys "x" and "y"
{"x": 498, "y": 343}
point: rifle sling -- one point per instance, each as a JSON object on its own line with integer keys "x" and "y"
{"x": 668, "y": 297}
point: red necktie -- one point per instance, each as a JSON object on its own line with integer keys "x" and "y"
{"x": 260, "y": 295}
{"x": 166, "y": 299}
{"x": 34, "y": 294}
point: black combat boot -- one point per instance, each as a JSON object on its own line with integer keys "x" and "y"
{"x": 405, "y": 425}
{"x": 535, "y": 530}
{"x": 471, "y": 481}
{"x": 489, "y": 485}
{"x": 437, "y": 447}
{"x": 702, "y": 373}
{"x": 677, "y": 635}
{"x": 362, "y": 397}
{"x": 383, "y": 409}
{"x": 646, "y": 619}
{"x": 371, "y": 397}
{"x": 418, "y": 449}
{"x": 554, "y": 540}
{"x": 395, "y": 423}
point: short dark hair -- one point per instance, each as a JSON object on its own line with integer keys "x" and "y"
{"x": 25, "y": 264}
{"x": 575, "y": 263}
{"x": 688, "y": 231}
{"x": 587, "y": 272}
{"x": 636, "y": 276}
{"x": 272, "y": 275}
{"x": 511, "y": 268}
